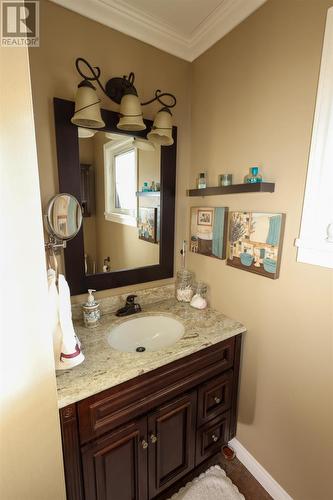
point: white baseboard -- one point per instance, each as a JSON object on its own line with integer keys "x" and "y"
{"x": 257, "y": 470}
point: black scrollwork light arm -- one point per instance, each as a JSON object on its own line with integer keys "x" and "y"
{"x": 116, "y": 87}
{"x": 158, "y": 97}
{"x": 95, "y": 71}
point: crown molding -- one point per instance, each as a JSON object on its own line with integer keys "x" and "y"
{"x": 148, "y": 29}
{"x": 220, "y": 22}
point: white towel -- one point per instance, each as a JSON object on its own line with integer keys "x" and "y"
{"x": 66, "y": 345}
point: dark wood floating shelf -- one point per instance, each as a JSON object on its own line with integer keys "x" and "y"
{"x": 259, "y": 187}
{"x": 148, "y": 193}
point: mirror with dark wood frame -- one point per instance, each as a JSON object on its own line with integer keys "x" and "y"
{"x": 150, "y": 255}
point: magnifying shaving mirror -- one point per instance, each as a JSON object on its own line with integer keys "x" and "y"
{"x": 63, "y": 217}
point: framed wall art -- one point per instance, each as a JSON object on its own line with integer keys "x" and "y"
{"x": 208, "y": 232}
{"x": 147, "y": 224}
{"x": 255, "y": 242}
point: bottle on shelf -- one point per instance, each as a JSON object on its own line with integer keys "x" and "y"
{"x": 254, "y": 176}
{"x": 202, "y": 181}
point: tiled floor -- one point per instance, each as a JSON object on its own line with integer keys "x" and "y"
{"x": 244, "y": 481}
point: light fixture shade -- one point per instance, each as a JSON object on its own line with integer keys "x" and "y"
{"x": 85, "y": 133}
{"x": 87, "y": 110}
{"x": 130, "y": 113}
{"x": 143, "y": 144}
{"x": 161, "y": 132}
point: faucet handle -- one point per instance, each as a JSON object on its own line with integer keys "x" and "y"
{"x": 130, "y": 299}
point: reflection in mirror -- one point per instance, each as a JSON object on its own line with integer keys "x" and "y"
{"x": 120, "y": 193}
{"x": 64, "y": 216}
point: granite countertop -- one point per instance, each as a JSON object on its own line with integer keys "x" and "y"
{"x": 104, "y": 367}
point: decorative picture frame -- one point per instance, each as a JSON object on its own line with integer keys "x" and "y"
{"x": 147, "y": 224}
{"x": 255, "y": 242}
{"x": 208, "y": 231}
{"x": 205, "y": 217}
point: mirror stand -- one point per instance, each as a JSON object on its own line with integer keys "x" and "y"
{"x": 54, "y": 244}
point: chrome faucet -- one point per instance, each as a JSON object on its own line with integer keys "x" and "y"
{"x": 130, "y": 307}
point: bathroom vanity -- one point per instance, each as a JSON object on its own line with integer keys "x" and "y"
{"x": 137, "y": 424}
{"x": 134, "y": 424}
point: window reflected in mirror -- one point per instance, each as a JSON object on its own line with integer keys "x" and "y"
{"x": 120, "y": 193}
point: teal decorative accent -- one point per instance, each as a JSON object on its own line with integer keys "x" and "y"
{"x": 269, "y": 265}
{"x": 274, "y": 230}
{"x": 262, "y": 253}
{"x": 246, "y": 259}
{"x": 218, "y": 232}
{"x": 254, "y": 176}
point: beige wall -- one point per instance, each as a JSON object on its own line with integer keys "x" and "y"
{"x": 66, "y": 36}
{"x": 30, "y": 450}
{"x": 253, "y": 98}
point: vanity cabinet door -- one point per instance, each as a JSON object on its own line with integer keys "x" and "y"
{"x": 115, "y": 466}
{"x": 171, "y": 437}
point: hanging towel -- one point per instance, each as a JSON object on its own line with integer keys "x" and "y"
{"x": 66, "y": 345}
{"x": 54, "y": 314}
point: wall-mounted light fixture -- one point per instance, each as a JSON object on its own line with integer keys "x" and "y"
{"x": 122, "y": 91}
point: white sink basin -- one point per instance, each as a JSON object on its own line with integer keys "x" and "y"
{"x": 146, "y": 333}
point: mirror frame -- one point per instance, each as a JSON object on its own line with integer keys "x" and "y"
{"x": 67, "y": 146}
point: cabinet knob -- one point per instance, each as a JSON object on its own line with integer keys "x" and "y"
{"x": 153, "y": 438}
{"x": 214, "y": 438}
{"x": 217, "y": 400}
{"x": 144, "y": 444}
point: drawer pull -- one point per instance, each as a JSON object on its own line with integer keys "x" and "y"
{"x": 215, "y": 438}
{"x": 144, "y": 444}
{"x": 153, "y": 438}
{"x": 217, "y": 400}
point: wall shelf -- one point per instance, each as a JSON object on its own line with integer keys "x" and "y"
{"x": 260, "y": 187}
{"x": 148, "y": 193}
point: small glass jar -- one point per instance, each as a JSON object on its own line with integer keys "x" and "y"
{"x": 225, "y": 179}
{"x": 201, "y": 289}
{"x": 199, "y": 298}
{"x": 184, "y": 286}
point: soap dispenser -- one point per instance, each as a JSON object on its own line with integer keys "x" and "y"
{"x": 91, "y": 311}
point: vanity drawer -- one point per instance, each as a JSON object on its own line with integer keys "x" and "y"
{"x": 214, "y": 397}
{"x": 211, "y": 437}
{"x": 111, "y": 408}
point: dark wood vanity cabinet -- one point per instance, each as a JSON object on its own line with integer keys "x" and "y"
{"x": 135, "y": 440}
{"x": 171, "y": 435}
{"x": 115, "y": 466}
